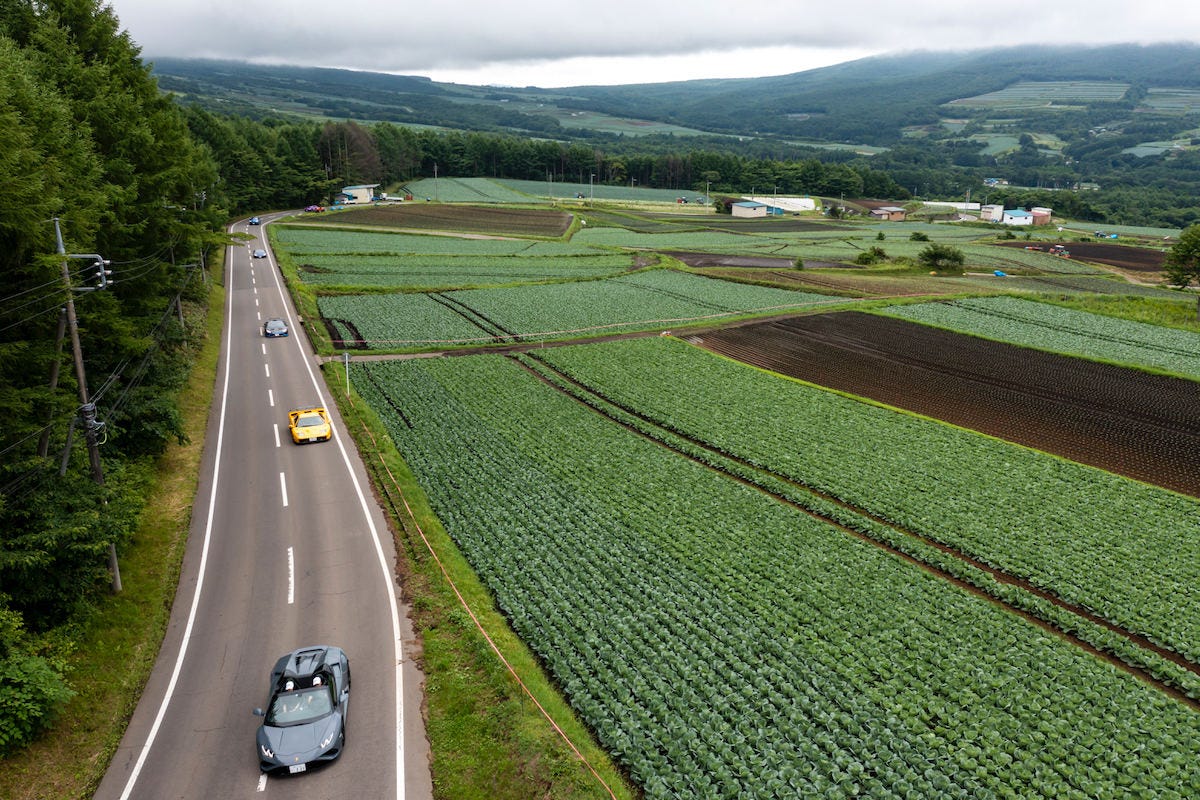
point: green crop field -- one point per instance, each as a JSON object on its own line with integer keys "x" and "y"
{"x": 1182, "y": 101}
{"x": 583, "y": 190}
{"x": 721, "y": 642}
{"x": 1063, "y": 330}
{"x": 644, "y": 300}
{"x": 1036, "y": 94}
{"x": 463, "y": 190}
{"x": 300, "y": 241}
{"x": 440, "y": 273}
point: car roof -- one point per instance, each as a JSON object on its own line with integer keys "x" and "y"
{"x": 305, "y": 662}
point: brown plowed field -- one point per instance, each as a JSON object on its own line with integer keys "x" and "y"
{"x": 1134, "y": 259}
{"x": 457, "y": 218}
{"x": 1121, "y": 420}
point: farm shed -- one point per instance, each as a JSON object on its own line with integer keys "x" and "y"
{"x": 1016, "y": 216}
{"x": 1041, "y": 215}
{"x": 360, "y": 193}
{"x": 993, "y": 212}
{"x": 891, "y": 213}
{"x": 749, "y": 208}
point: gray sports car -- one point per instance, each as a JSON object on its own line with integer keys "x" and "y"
{"x": 305, "y": 720}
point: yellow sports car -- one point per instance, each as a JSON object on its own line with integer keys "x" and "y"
{"x": 309, "y": 425}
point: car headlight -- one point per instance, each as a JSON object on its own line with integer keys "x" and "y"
{"x": 326, "y": 742}
{"x": 266, "y": 751}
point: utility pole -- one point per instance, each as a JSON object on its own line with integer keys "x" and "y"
{"x": 44, "y": 442}
{"x": 86, "y": 407}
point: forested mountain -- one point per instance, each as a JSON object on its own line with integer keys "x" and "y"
{"x": 1057, "y": 122}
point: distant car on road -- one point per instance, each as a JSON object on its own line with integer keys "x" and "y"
{"x": 275, "y": 327}
{"x": 313, "y": 209}
{"x": 305, "y": 719}
{"x": 260, "y": 253}
{"x": 310, "y": 424}
{"x": 254, "y": 221}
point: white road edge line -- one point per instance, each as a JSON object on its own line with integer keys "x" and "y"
{"x": 208, "y": 527}
{"x": 283, "y": 488}
{"x": 385, "y": 570}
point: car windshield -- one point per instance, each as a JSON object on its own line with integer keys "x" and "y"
{"x": 309, "y": 421}
{"x": 295, "y": 708}
{"x": 275, "y": 325}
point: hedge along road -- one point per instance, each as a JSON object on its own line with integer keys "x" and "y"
{"x": 285, "y": 551}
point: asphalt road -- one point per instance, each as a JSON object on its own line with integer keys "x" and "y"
{"x": 287, "y": 548}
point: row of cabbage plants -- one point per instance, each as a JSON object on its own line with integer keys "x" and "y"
{"x": 722, "y": 644}
{"x": 1124, "y": 550}
{"x": 1062, "y": 330}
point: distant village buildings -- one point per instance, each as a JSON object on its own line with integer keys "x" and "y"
{"x": 1015, "y": 216}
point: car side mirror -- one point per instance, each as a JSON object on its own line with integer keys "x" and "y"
{"x": 258, "y": 712}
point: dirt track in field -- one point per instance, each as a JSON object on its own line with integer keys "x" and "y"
{"x": 1121, "y": 420}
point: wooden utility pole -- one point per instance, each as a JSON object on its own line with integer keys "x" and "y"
{"x": 44, "y": 442}
{"x": 86, "y": 407}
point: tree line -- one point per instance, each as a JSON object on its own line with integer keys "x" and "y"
{"x": 279, "y": 163}
{"x": 89, "y": 149}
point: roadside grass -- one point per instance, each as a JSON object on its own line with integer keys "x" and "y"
{"x": 487, "y": 737}
{"x": 117, "y": 645}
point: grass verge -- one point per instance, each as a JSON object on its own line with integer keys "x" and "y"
{"x": 487, "y": 737}
{"x": 117, "y": 645}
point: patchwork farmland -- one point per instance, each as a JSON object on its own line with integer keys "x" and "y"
{"x": 753, "y": 572}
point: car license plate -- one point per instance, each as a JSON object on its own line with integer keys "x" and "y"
{"x": 294, "y": 768}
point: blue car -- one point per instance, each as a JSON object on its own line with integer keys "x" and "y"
{"x": 254, "y": 221}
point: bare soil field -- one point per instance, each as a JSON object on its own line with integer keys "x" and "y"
{"x": 1134, "y": 259}
{"x": 1121, "y": 420}
{"x": 458, "y": 218}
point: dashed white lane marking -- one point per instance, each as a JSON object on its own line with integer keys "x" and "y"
{"x": 283, "y": 488}
{"x": 291, "y": 577}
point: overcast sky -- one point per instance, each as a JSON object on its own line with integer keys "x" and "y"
{"x": 549, "y": 44}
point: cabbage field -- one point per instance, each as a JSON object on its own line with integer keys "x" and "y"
{"x": 749, "y": 587}
{"x": 647, "y": 299}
